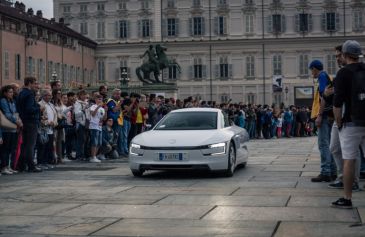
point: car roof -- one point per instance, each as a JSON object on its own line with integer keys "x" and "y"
{"x": 196, "y": 110}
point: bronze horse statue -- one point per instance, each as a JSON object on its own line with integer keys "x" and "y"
{"x": 157, "y": 62}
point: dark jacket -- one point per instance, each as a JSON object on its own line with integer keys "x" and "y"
{"x": 28, "y": 108}
{"x": 109, "y": 137}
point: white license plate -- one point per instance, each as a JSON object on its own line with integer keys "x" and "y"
{"x": 171, "y": 156}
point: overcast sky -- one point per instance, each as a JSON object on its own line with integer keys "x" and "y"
{"x": 45, "y": 5}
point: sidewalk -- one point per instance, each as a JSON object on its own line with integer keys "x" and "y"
{"x": 272, "y": 196}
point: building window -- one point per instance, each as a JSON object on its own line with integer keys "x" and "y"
{"x": 144, "y": 4}
{"x": 172, "y": 26}
{"x": 123, "y": 29}
{"x": 331, "y": 64}
{"x": 250, "y": 67}
{"x": 50, "y": 70}
{"x": 303, "y": 22}
{"x": 101, "y": 30}
{"x": 6, "y": 65}
{"x": 30, "y": 66}
{"x": 249, "y": 24}
{"x": 84, "y": 28}
{"x": 171, "y": 3}
{"x": 251, "y": 98}
{"x": 173, "y": 72}
{"x": 276, "y": 23}
{"x": 223, "y": 67}
{"x": 198, "y": 68}
{"x": 41, "y": 74}
{"x": 66, "y": 9}
{"x": 18, "y": 67}
{"x": 101, "y": 71}
{"x": 221, "y": 25}
{"x": 277, "y": 65}
{"x": 146, "y": 28}
{"x": 197, "y": 26}
{"x": 357, "y": 23}
{"x": 83, "y": 8}
{"x": 330, "y": 21}
{"x": 100, "y": 7}
{"x": 303, "y": 65}
{"x": 122, "y": 5}
{"x": 196, "y": 3}
{"x": 224, "y": 98}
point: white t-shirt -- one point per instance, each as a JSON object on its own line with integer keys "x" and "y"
{"x": 280, "y": 122}
{"x": 96, "y": 121}
{"x": 51, "y": 115}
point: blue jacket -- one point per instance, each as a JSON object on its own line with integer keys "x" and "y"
{"x": 113, "y": 115}
{"x": 9, "y": 110}
{"x": 28, "y": 108}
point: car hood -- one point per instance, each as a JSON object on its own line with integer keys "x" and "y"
{"x": 181, "y": 138}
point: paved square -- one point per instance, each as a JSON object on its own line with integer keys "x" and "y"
{"x": 272, "y": 196}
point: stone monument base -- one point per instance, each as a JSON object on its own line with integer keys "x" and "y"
{"x": 167, "y": 90}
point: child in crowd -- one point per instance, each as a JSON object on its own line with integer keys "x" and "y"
{"x": 97, "y": 116}
{"x": 109, "y": 144}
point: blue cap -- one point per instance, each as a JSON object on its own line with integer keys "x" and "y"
{"x": 316, "y": 64}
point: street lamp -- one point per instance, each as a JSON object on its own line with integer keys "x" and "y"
{"x": 124, "y": 78}
{"x": 54, "y": 76}
{"x": 286, "y": 92}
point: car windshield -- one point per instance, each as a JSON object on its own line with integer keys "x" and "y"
{"x": 188, "y": 121}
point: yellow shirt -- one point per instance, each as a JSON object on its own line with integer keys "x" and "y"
{"x": 139, "y": 117}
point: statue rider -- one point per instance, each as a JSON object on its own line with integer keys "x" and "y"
{"x": 150, "y": 52}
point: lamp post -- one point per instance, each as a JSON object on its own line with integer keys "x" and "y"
{"x": 286, "y": 93}
{"x": 124, "y": 79}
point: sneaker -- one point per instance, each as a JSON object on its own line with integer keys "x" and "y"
{"x": 6, "y": 171}
{"x": 66, "y": 160}
{"x": 338, "y": 185}
{"x": 101, "y": 157}
{"x": 94, "y": 160}
{"x": 13, "y": 171}
{"x": 355, "y": 187}
{"x": 321, "y": 178}
{"x": 343, "y": 203}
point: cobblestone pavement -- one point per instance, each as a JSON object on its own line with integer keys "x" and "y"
{"x": 272, "y": 196}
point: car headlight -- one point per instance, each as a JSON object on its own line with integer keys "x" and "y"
{"x": 215, "y": 149}
{"x": 135, "y": 149}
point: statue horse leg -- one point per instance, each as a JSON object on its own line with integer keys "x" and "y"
{"x": 139, "y": 75}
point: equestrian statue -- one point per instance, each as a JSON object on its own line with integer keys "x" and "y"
{"x": 157, "y": 61}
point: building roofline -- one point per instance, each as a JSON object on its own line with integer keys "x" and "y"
{"x": 18, "y": 14}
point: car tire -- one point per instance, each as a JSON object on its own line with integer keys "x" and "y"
{"x": 231, "y": 161}
{"x": 137, "y": 173}
{"x": 242, "y": 165}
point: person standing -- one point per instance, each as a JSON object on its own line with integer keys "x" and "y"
{"x": 80, "y": 117}
{"x": 349, "y": 97}
{"x": 29, "y": 112}
{"x": 323, "y": 123}
{"x": 10, "y": 136}
{"x": 97, "y": 116}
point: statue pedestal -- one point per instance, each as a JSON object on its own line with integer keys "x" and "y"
{"x": 168, "y": 90}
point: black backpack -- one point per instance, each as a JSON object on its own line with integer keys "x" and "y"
{"x": 358, "y": 96}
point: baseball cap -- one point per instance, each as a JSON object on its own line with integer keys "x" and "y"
{"x": 352, "y": 47}
{"x": 316, "y": 64}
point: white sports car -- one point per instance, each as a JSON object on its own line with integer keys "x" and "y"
{"x": 194, "y": 138}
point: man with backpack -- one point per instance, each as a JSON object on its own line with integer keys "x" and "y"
{"x": 322, "y": 112}
{"x": 350, "y": 95}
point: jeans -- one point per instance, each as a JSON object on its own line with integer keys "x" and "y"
{"x": 328, "y": 166}
{"x": 8, "y": 148}
{"x": 80, "y": 141}
{"x": 45, "y": 153}
{"x": 30, "y": 132}
{"x": 125, "y": 132}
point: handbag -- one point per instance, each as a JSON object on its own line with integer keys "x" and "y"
{"x": 42, "y": 136}
{"x": 5, "y": 122}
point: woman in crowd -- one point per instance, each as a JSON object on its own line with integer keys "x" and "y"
{"x": 9, "y": 136}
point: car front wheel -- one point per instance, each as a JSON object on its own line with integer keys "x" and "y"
{"x": 231, "y": 161}
{"x": 137, "y": 173}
